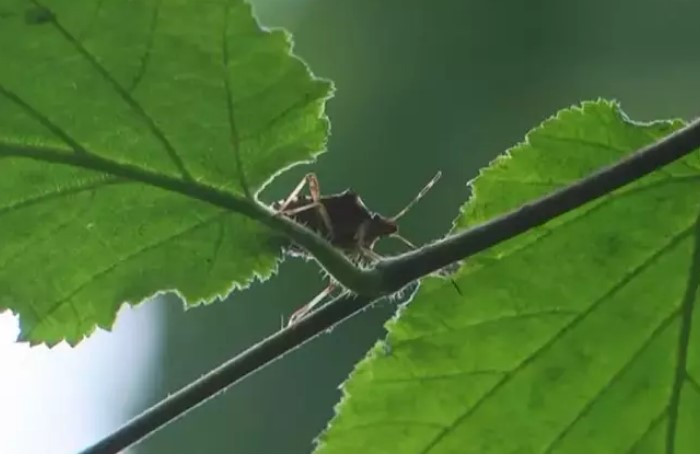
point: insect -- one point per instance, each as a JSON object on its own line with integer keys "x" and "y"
{"x": 345, "y": 221}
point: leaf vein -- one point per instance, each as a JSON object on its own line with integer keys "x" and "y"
{"x": 441, "y": 377}
{"x": 146, "y": 57}
{"x": 217, "y": 246}
{"x": 44, "y": 121}
{"x": 688, "y": 304}
{"x": 650, "y": 428}
{"x": 90, "y": 24}
{"x": 646, "y": 263}
{"x": 394, "y": 423}
{"x": 125, "y": 95}
{"x": 233, "y": 129}
{"x": 613, "y": 380}
{"x": 192, "y": 189}
{"x": 595, "y": 144}
{"x": 57, "y": 305}
{"x": 32, "y": 241}
{"x": 59, "y": 193}
{"x": 304, "y": 102}
{"x": 693, "y": 383}
{"x": 495, "y": 320}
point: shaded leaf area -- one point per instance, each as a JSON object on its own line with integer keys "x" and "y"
{"x": 191, "y": 91}
{"x": 574, "y": 337}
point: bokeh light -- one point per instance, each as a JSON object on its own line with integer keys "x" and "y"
{"x": 61, "y": 399}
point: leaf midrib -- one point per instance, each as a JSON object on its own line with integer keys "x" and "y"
{"x": 334, "y": 261}
{"x": 93, "y": 162}
{"x": 688, "y": 304}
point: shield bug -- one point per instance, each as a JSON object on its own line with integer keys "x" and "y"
{"x": 345, "y": 221}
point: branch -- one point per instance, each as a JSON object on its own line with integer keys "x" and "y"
{"x": 228, "y": 373}
{"x": 399, "y": 271}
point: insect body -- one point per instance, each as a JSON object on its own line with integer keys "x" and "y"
{"x": 345, "y": 221}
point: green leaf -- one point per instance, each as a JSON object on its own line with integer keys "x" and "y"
{"x": 574, "y": 337}
{"x": 129, "y": 131}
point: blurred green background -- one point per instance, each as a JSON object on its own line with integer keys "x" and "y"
{"x": 421, "y": 86}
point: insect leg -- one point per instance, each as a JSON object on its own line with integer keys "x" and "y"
{"x": 364, "y": 249}
{"x": 314, "y": 186}
{"x": 315, "y": 191}
{"x": 304, "y": 310}
{"x": 300, "y": 209}
{"x": 370, "y": 254}
{"x": 295, "y": 193}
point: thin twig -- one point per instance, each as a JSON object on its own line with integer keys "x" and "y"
{"x": 228, "y": 373}
{"x": 413, "y": 265}
{"x": 398, "y": 272}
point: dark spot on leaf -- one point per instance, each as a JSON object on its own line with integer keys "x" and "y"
{"x": 38, "y": 15}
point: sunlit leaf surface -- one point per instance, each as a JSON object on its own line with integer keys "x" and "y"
{"x": 95, "y": 93}
{"x": 577, "y": 336}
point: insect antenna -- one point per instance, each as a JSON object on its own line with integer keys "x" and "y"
{"x": 401, "y": 213}
{"x": 420, "y": 195}
{"x": 410, "y": 204}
